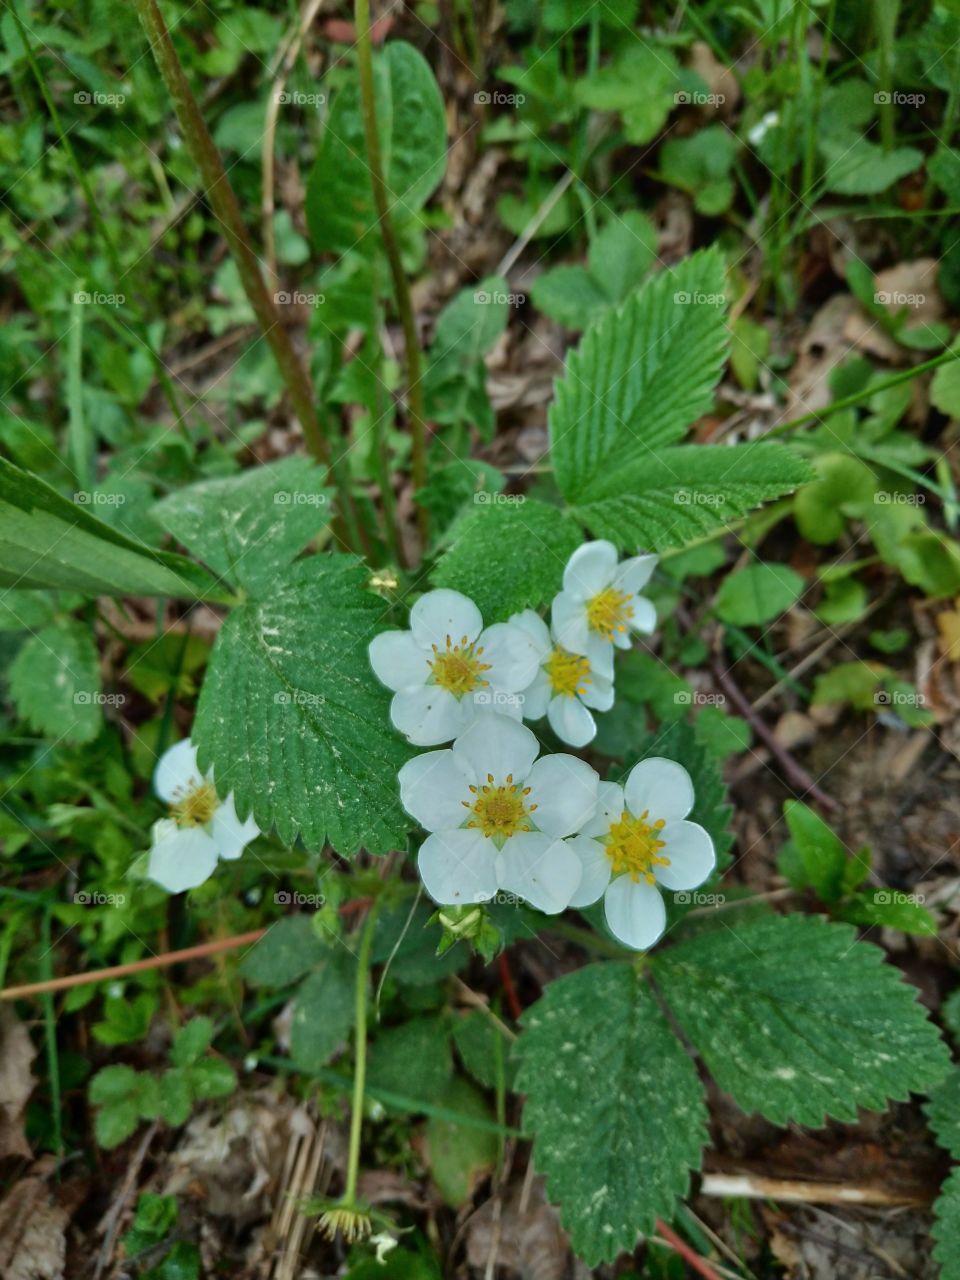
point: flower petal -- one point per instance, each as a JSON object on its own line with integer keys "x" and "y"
{"x": 599, "y": 694}
{"x": 594, "y": 870}
{"x": 571, "y": 721}
{"x": 635, "y": 912}
{"x": 591, "y": 568}
{"x": 536, "y": 629}
{"x": 512, "y": 655}
{"x": 691, "y": 853}
{"x": 432, "y": 787}
{"x": 569, "y": 620}
{"x": 444, "y": 613}
{"x": 564, "y": 789}
{"x": 496, "y": 744}
{"x": 398, "y": 661}
{"x": 634, "y": 574}
{"x": 458, "y": 867}
{"x": 600, "y": 653}
{"x": 428, "y": 716}
{"x": 542, "y": 871}
{"x": 644, "y": 617}
{"x": 609, "y": 809}
{"x": 536, "y": 697}
{"x": 661, "y": 787}
{"x": 177, "y": 771}
{"x": 180, "y": 858}
{"x": 230, "y": 835}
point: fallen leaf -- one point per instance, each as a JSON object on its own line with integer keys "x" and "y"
{"x": 16, "y": 1082}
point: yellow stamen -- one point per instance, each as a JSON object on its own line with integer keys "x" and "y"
{"x": 632, "y": 846}
{"x": 195, "y": 808}
{"x": 608, "y": 611}
{"x": 458, "y": 668}
{"x": 568, "y": 673}
{"x": 500, "y": 812}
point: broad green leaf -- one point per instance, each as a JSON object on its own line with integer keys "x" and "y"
{"x": 796, "y": 1019}
{"x": 641, "y": 375}
{"x": 853, "y": 682}
{"x": 822, "y": 853}
{"x": 212, "y": 1078}
{"x": 459, "y": 1155}
{"x": 758, "y": 594}
{"x": 701, "y": 165}
{"x": 192, "y": 1040}
{"x": 325, "y": 1011}
{"x": 820, "y": 507}
{"x": 412, "y": 1059}
{"x": 946, "y": 1227}
{"x": 287, "y": 951}
{"x": 408, "y": 941}
{"x": 115, "y": 1123}
{"x": 672, "y": 496}
{"x": 249, "y": 526}
{"x": 413, "y": 142}
{"x": 619, "y": 258}
{"x": 891, "y": 909}
{"x": 614, "y": 1104}
{"x": 24, "y": 610}
{"x": 467, "y": 328}
{"x": 55, "y": 682}
{"x": 640, "y": 84}
{"x": 945, "y": 388}
{"x": 47, "y": 541}
{"x": 115, "y": 1083}
{"x": 570, "y": 295}
{"x": 176, "y": 1096}
{"x": 288, "y": 705}
{"x": 855, "y": 167}
{"x": 484, "y": 1049}
{"x": 508, "y": 554}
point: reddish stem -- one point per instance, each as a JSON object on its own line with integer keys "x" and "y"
{"x": 509, "y": 990}
{"x": 690, "y": 1257}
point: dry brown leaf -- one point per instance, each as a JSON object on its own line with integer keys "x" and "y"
{"x": 911, "y": 285}
{"x": 530, "y": 1241}
{"x": 16, "y": 1082}
{"x": 32, "y": 1233}
{"x": 719, "y": 79}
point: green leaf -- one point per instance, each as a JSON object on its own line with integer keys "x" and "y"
{"x": 191, "y": 1041}
{"x": 413, "y": 142}
{"x": 115, "y": 1123}
{"x": 945, "y": 388}
{"x": 508, "y": 554}
{"x": 412, "y": 1059}
{"x": 55, "y": 682}
{"x": 459, "y": 1155}
{"x": 641, "y": 375}
{"x": 796, "y": 1019}
{"x": 324, "y": 1012}
{"x": 855, "y": 167}
{"x": 480, "y": 1044}
{"x": 212, "y": 1078}
{"x": 116, "y": 1083}
{"x": 853, "y": 682}
{"x": 125, "y": 1020}
{"x": 820, "y": 508}
{"x": 176, "y": 1096}
{"x": 675, "y": 495}
{"x": 614, "y": 1104}
{"x": 570, "y": 295}
{"x": 757, "y": 594}
{"x": 24, "y": 610}
{"x": 249, "y": 526}
{"x": 285, "y": 953}
{"x": 286, "y": 709}
{"x": 619, "y": 258}
{"x": 47, "y": 541}
{"x": 640, "y": 85}
{"x": 823, "y": 854}
{"x": 943, "y": 1112}
{"x": 946, "y": 1227}
{"x": 890, "y": 909}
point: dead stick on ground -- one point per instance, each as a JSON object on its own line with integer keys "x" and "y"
{"x": 754, "y": 1187}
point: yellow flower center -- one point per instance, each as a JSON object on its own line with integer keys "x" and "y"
{"x": 458, "y": 667}
{"x": 195, "y": 808}
{"x": 608, "y": 612}
{"x": 632, "y": 846}
{"x": 568, "y": 673}
{"x": 499, "y": 812}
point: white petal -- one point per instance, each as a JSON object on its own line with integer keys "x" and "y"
{"x": 177, "y": 771}
{"x": 444, "y": 613}
{"x": 180, "y": 859}
{"x": 691, "y": 853}
{"x": 591, "y": 568}
{"x": 599, "y": 693}
{"x": 644, "y": 618}
{"x": 661, "y": 787}
{"x": 458, "y": 867}
{"x": 428, "y": 716}
{"x": 600, "y": 653}
{"x": 536, "y": 698}
{"x": 432, "y": 787}
{"x": 398, "y": 661}
{"x": 542, "y": 871}
{"x": 571, "y": 721}
{"x": 609, "y": 809}
{"x": 594, "y": 870}
{"x": 536, "y": 629}
{"x": 230, "y": 835}
{"x": 635, "y": 912}
{"x": 564, "y": 789}
{"x": 513, "y": 657}
{"x": 621, "y": 639}
{"x": 496, "y": 744}
{"x": 486, "y": 702}
{"x": 569, "y": 618}
{"x": 634, "y": 574}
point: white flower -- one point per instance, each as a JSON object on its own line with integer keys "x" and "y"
{"x": 446, "y": 668}
{"x": 497, "y": 819}
{"x": 600, "y": 604}
{"x": 564, "y": 687}
{"x": 763, "y": 126}
{"x": 637, "y": 840}
{"x": 201, "y": 828}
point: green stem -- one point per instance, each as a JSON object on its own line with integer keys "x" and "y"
{"x": 50, "y": 1031}
{"x": 360, "y": 1056}
{"x": 203, "y": 151}
{"x": 401, "y": 289}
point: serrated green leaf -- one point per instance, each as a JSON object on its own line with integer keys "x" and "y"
{"x": 115, "y": 1123}
{"x": 285, "y": 953}
{"x": 678, "y": 494}
{"x": 641, "y": 375}
{"x": 822, "y": 853}
{"x": 614, "y": 1104}
{"x": 249, "y": 526}
{"x": 211, "y": 1078}
{"x": 287, "y": 706}
{"x": 324, "y": 1013}
{"x": 176, "y": 1096}
{"x": 24, "y": 610}
{"x": 480, "y": 1043}
{"x": 55, "y": 682}
{"x": 113, "y": 1084}
{"x": 943, "y": 1112}
{"x": 945, "y": 388}
{"x": 946, "y": 1227}
{"x": 570, "y": 295}
{"x": 192, "y": 1040}
{"x": 47, "y": 541}
{"x": 508, "y": 555}
{"x": 799, "y": 1021}
{"x": 758, "y": 594}
{"x": 413, "y": 141}
{"x": 853, "y": 166}
{"x": 412, "y": 1059}
{"x": 887, "y": 908}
